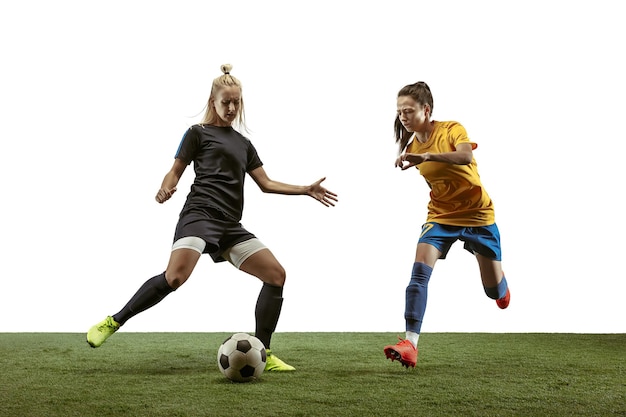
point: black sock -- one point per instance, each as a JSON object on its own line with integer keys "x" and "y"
{"x": 267, "y": 311}
{"x": 151, "y": 292}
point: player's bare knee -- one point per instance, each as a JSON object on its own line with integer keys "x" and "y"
{"x": 276, "y": 276}
{"x": 175, "y": 278}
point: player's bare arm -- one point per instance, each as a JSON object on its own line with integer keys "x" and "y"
{"x": 314, "y": 190}
{"x": 168, "y": 186}
{"x": 461, "y": 156}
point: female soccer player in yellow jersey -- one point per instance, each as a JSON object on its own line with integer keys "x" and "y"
{"x": 459, "y": 208}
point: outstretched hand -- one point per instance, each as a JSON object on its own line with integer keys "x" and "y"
{"x": 321, "y": 194}
{"x": 408, "y": 160}
{"x": 163, "y": 195}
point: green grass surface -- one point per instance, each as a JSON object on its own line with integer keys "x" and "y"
{"x": 338, "y": 374}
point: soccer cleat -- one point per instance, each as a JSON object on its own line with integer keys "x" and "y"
{"x": 273, "y": 363}
{"x": 97, "y": 335}
{"x": 403, "y": 351}
{"x": 504, "y": 301}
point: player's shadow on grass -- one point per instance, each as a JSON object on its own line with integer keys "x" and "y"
{"x": 146, "y": 365}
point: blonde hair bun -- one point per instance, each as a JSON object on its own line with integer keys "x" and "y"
{"x": 226, "y": 68}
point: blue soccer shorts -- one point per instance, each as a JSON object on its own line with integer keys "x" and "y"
{"x": 484, "y": 240}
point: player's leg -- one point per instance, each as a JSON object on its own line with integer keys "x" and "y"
{"x": 254, "y": 258}
{"x": 416, "y": 296}
{"x": 494, "y": 281}
{"x": 484, "y": 243}
{"x": 179, "y": 268}
{"x": 264, "y": 266}
{"x": 183, "y": 259}
{"x": 417, "y": 291}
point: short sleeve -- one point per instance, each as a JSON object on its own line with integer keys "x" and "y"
{"x": 253, "y": 159}
{"x": 189, "y": 145}
{"x": 457, "y": 135}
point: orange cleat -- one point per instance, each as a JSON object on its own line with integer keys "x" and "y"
{"x": 504, "y": 301}
{"x": 403, "y": 351}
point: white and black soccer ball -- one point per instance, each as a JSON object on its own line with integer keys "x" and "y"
{"x": 241, "y": 357}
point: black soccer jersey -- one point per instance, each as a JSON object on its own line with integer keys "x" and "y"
{"x": 221, "y": 158}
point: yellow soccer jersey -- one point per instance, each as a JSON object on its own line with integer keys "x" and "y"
{"x": 457, "y": 197}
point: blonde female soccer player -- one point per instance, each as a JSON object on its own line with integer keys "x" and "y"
{"x": 459, "y": 208}
{"x": 210, "y": 219}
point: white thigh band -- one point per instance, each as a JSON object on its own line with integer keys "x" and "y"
{"x": 190, "y": 242}
{"x": 242, "y": 251}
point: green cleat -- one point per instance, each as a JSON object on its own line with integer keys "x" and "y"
{"x": 97, "y": 335}
{"x": 274, "y": 364}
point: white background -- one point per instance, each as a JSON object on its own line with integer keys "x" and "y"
{"x": 95, "y": 98}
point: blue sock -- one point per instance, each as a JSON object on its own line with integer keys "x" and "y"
{"x": 499, "y": 291}
{"x": 416, "y": 296}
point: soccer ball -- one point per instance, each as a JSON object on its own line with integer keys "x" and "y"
{"x": 241, "y": 357}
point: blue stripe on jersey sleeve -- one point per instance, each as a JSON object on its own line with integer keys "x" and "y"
{"x": 180, "y": 145}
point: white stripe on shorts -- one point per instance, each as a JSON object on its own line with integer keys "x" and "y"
{"x": 190, "y": 242}
{"x": 242, "y": 251}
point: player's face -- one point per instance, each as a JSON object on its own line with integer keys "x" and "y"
{"x": 413, "y": 116}
{"x": 227, "y": 103}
